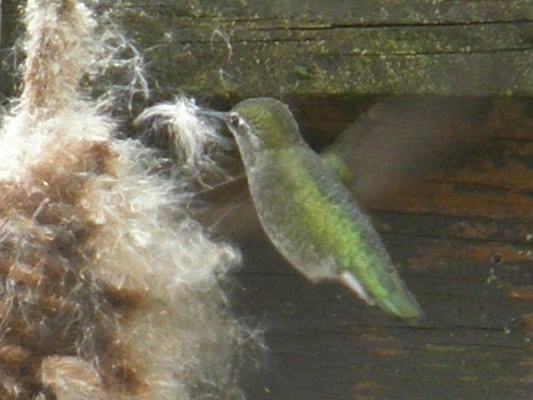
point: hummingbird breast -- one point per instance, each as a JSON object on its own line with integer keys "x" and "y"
{"x": 313, "y": 219}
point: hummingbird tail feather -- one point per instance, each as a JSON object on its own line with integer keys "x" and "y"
{"x": 402, "y": 304}
{"x": 352, "y": 283}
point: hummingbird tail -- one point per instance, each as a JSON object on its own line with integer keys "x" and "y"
{"x": 401, "y": 303}
{"x": 352, "y": 283}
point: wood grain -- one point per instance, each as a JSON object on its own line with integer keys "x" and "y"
{"x": 238, "y": 48}
{"x": 461, "y": 234}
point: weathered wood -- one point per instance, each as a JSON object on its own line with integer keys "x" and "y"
{"x": 8, "y": 21}
{"x": 462, "y": 236}
{"x": 0, "y": 23}
{"x": 232, "y": 48}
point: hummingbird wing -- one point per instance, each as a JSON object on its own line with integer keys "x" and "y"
{"x": 402, "y": 139}
{"x": 395, "y": 143}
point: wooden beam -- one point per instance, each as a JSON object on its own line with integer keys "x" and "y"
{"x": 235, "y": 48}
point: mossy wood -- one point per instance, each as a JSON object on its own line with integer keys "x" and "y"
{"x": 240, "y": 48}
{"x": 462, "y": 236}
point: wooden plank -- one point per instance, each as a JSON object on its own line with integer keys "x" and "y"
{"x": 0, "y": 23}
{"x": 326, "y": 343}
{"x": 232, "y": 48}
{"x": 241, "y": 51}
{"x": 8, "y": 21}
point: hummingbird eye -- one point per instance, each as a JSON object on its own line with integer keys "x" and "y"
{"x": 234, "y": 120}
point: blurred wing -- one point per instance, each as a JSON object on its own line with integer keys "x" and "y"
{"x": 401, "y": 140}
{"x": 394, "y": 144}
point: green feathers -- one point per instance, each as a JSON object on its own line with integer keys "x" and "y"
{"x": 308, "y": 213}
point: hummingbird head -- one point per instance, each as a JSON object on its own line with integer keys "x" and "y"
{"x": 262, "y": 124}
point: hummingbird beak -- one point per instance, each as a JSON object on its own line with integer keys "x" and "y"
{"x": 220, "y": 115}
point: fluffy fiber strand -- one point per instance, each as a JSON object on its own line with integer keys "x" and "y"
{"x": 194, "y": 137}
{"x": 108, "y": 289}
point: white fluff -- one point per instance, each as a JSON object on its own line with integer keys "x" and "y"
{"x": 196, "y": 139}
{"x": 109, "y": 290}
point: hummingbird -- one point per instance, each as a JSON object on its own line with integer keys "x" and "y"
{"x": 308, "y": 213}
